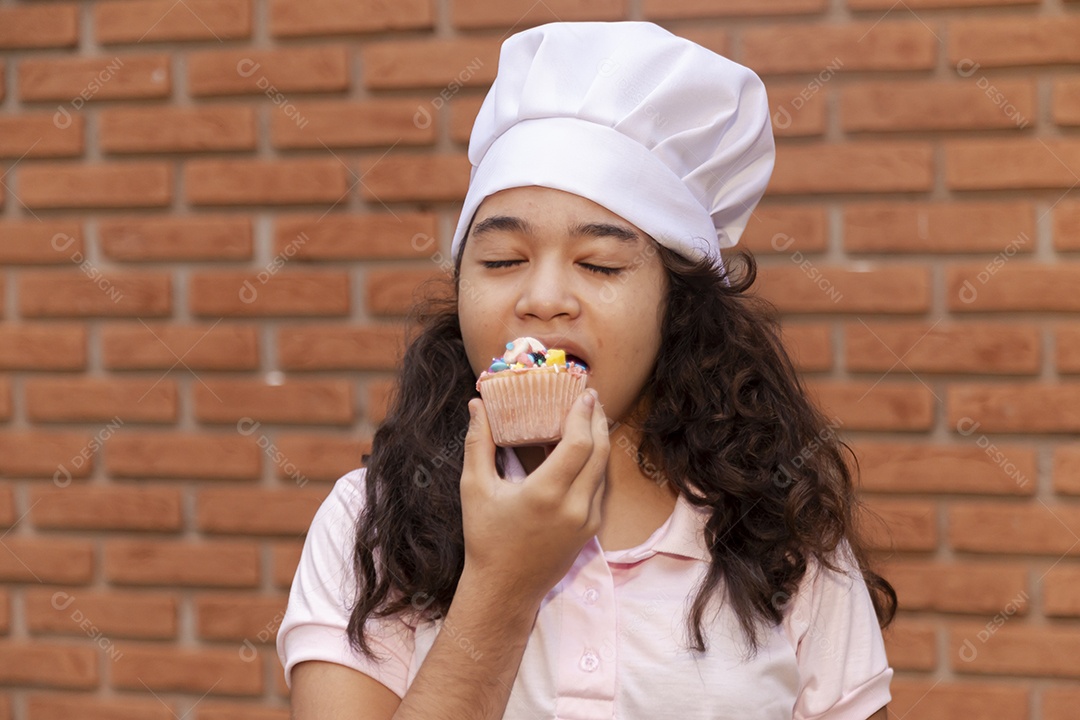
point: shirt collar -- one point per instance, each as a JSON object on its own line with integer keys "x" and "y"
{"x": 682, "y": 534}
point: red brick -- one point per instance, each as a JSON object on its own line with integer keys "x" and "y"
{"x": 239, "y": 616}
{"x": 676, "y": 9}
{"x": 967, "y": 587}
{"x": 956, "y": 105}
{"x": 368, "y": 236}
{"x": 337, "y": 347}
{"x": 937, "y": 700}
{"x": 203, "y": 671}
{"x": 107, "y": 508}
{"x": 194, "y": 347}
{"x": 296, "y": 401}
{"x": 901, "y": 524}
{"x": 446, "y": 64}
{"x": 324, "y": 68}
{"x": 200, "y": 129}
{"x": 1032, "y": 528}
{"x": 54, "y": 25}
{"x": 28, "y": 346}
{"x": 911, "y": 645}
{"x": 773, "y": 229}
{"x": 116, "y": 614}
{"x": 321, "y": 457}
{"x": 8, "y": 518}
{"x": 59, "y": 294}
{"x": 258, "y": 182}
{"x": 815, "y": 48}
{"x": 33, "y": 242}
{"x": 281, "y": 512}
{"x": 239, "y": 711}
{"x": 164, "y": 20}
{"x": 1066, "y": 228}
{"x": 1014, "y": 40}
{"x": 40, "y": 135}
{"x": 801, "y": 286}
{"x": 393, "y": 292}
{"x": 942, "y": 347}
{"x": 183, "y": 456}
{"x": 5, "y": 399}
{"x": 981, "y": 467}
{"x": 115, "y": 185}
{"x": 168, "y": 562}
{"x": 520, "y": 14}
{"x": 74, "y": 81}
{"x": 1061, "y": 591}
{"x": 463, "y": 111}
{"x": 1060, "y": 703}
{"x": 202, "y": 237}
{"x": 48, "y": 664}
{"x": 938, "y": 227}
{"x": 92, "y": 707}
{"x": 810, "y": 346}
{"x": 43, "y": 454}
{"x": 1016, "y": 407}
{"x": 293, "y": 18}
{"x": 868, "y": 406}
{"x": 379, "y": 393}
{"x": 1066, "y": 109}
{"x": 1004, "y": 283}
{"x": 288, "y": 293}
{"x": 797, "y": 109}
{"x": 1014, "y": 649}
{"x": 1011, "y": 163}
{"x": 94, "y": 399}
{"x": 854, "y": 167}
{"x": 1067, "y": 470}
{"x": 24, "y": 559}
{"x": 414, "y": 177}
{"x": 286, "y": 557}
{"x": 387, "y": 121}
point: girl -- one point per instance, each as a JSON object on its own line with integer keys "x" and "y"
{"x": 688, "y": 549}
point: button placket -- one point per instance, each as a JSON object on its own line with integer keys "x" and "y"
{"x": 586, "y": 675}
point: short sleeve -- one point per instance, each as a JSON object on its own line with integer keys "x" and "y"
{"x": 323, "y": 588}
{"x": 843, "y": 671}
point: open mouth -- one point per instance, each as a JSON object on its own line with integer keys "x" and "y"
{"x": 571, "y": 358}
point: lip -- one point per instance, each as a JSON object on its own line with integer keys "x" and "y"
{"x": 565, "y": 344}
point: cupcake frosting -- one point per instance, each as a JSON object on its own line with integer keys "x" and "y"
{"x": 527, "y": 354}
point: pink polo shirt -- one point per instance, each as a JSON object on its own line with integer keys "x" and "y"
{"x": 609, "y": 639}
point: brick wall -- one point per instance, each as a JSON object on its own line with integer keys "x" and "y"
{"x": 214, "y": 214}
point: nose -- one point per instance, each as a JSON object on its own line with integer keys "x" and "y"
{"x": 547, "y": 292}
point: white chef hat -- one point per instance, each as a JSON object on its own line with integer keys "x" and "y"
{"x": 663, "y": 132}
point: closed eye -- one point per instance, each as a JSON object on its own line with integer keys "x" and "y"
{"x": 598, "y": 269}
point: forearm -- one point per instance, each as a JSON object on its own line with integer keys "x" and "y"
{"x": 468, "y": 673}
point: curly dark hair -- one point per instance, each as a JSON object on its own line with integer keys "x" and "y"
{"x": 727, "y": 420}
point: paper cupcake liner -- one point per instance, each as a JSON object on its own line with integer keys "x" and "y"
{"x": 528, "y": 408}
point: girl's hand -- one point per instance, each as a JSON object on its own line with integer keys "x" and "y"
{"x": 522, "y": 539}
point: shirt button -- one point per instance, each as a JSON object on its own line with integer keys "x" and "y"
{"x": 591, "y": 595}
{"x": 589, "y": 661}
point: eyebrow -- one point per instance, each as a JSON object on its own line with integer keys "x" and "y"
{"x": 509, "y": 223}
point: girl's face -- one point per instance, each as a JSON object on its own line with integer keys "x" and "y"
{"x": 558, "y": 267}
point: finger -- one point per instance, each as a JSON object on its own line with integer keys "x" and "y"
{"x": 569, "y": 456}
{"x": 590, "y": 482}
{"x": 479, "y": 445}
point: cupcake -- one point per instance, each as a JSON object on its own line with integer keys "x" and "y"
{"x": 528, "y": 391}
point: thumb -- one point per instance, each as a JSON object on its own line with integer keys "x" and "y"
{"x": 479, "y": 445}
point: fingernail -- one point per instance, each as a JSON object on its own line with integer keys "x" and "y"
{"x": 589, "y": 398}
